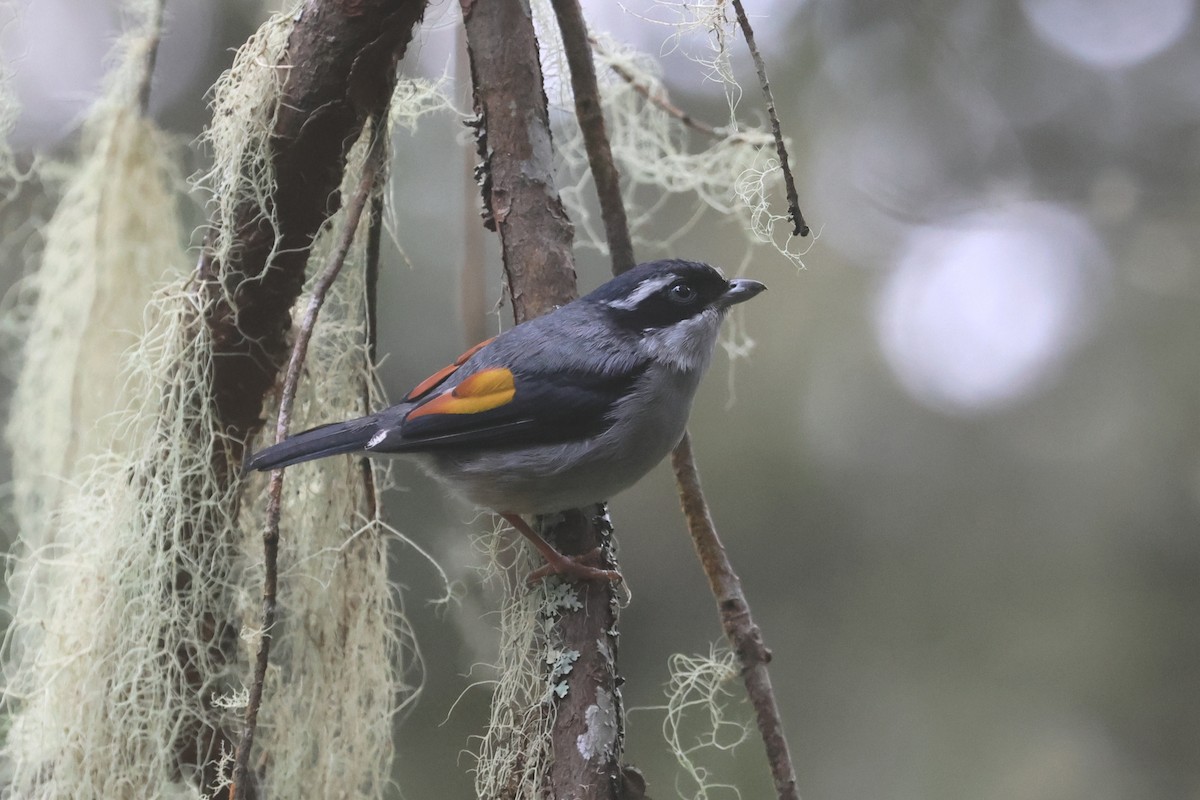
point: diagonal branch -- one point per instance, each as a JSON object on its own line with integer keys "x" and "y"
{"x": 739, "y": 627}
{"x": 744, "y": 636}
{"x": 664, "y": 103}
{"x": 590, "y": 114}
{"x": 340, "y": 70}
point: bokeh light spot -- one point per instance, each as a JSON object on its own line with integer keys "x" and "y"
{"x": 1109, "y": 33}
{"x": 976, "y": 313}
{"x": 55, "y": 50}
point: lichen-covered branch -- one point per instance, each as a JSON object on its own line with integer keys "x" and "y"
{"x": 340, "y": 70}
{"x": 521, "y": 201}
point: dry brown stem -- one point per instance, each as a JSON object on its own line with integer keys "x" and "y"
{"x": 662, "y": 101}
{"x": 744, "y": 636}
{"x": 590, "y": 114}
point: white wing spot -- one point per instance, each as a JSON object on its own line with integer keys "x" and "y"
{"x": 377, "y": 439}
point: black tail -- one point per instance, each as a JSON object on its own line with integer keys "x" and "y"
{"x": 327, "y": 440}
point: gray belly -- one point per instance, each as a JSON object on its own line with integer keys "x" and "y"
{"x": 543, "y": 479}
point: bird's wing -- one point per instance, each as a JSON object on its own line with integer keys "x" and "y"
{"x": 498, "y": 406}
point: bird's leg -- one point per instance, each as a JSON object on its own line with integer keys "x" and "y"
{"x": 556, "y": 562}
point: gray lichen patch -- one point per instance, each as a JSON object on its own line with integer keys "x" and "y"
{"x": 600, "y": 735}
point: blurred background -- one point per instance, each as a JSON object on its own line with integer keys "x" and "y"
{"x": 960, "y": 471}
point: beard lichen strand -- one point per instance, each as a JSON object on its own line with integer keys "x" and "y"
{"x": 112, "y": 587}
{"x": 340, "y": 629}
{"x": 515, "y": 749}
{"x": 113, "y": 475}
{"x": 733, "y": 174}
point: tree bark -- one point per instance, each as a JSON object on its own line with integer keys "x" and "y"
{"x": 520, "y": 200}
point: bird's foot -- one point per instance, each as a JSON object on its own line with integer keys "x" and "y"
{"x": 575, "y": 567}
{"x": 559, "y": 564}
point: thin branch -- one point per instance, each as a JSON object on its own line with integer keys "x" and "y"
{"x": 371, "y": 336}
{"x": 590, "y": 114}
{"x": 371, "y": 278}
{"x": 744, "y": 636}
{"x": 366, "y": 185}
{"x": 660, "y": 99}
{"x": 800, "y": 226}
{"x": 339, "y": 70}
{"x": 739, "y": 627}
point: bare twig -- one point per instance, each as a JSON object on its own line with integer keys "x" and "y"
{"x": 366, "y": 185}
{"x": 660, "y": 99}
{"x": 371, "y": 336}
{"x": 744, "y": 636}
{"x": 371, "y": 278}
{"x": 590, "y": 114}
{"x": 800, "y": 226}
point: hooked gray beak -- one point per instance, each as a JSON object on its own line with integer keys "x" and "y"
{"x": 739, "y": 291}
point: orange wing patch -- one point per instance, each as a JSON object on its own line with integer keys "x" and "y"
{"x": 483, "y": 391}
{"x": 429, "y": 384}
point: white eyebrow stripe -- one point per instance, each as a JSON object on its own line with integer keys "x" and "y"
{"x": 644, "y": 290}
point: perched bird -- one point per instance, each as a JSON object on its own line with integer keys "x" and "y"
{"x": 559, "y": 412}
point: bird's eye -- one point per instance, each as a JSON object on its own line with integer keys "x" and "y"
{"x": 681, "y": 293}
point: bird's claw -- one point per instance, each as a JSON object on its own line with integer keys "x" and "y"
{"x": 576, "y": 567}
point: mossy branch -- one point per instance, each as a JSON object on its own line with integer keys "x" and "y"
{"x": 340, "y": 71}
